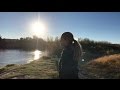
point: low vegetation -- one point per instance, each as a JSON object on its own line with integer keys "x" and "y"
{"x": 44, "y": 68}
{"x": 107, "y": 67}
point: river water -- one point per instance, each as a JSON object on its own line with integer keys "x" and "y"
{"x": 18, "y": 56}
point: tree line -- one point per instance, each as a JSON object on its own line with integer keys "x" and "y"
{"x": 92, "y": 49}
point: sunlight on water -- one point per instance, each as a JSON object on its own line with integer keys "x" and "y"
{"x": 37, "y": 55}
{"x": 83, "y": 60}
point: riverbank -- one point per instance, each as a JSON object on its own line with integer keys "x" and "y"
{"x": 44, "y": 68}
{"x": 107, "y": 67}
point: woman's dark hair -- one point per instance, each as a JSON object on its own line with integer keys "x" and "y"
{"x": 77, "y": 47}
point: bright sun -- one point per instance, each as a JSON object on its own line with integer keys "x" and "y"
{"x": 38, "y": 28}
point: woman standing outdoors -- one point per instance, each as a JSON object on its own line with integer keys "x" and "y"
{"x": 71, "y": 54}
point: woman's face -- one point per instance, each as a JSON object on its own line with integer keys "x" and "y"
{"x": 64, "y": 42}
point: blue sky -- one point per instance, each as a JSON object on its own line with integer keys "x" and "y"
{"x": 99, "y": 26}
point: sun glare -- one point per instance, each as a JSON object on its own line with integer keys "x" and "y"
{"x": 38, "y": 28}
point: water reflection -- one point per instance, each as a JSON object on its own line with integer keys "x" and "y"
{"x": 18, "y": 56}
{"x": 37, "y": 55}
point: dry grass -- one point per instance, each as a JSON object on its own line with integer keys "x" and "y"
{"x": 44, "y": 68}
{"x": 107, "y": 67}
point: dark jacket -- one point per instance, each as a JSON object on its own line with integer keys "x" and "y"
{"x": 68, "y": 67}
